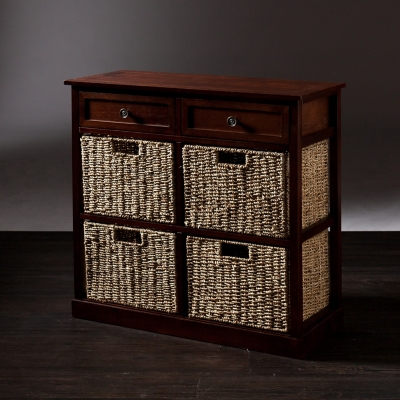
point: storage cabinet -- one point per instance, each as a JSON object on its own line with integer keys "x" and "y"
{"x": 208, "y": 207}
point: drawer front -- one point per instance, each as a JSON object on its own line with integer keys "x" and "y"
{"x": 128, "y": 178}
{"x": 127, "y": 112}
{"x": 134, "y": 267}
{"x": 231, "y": 120}
{"x": 238, "y": 283}
{"x": 236, "y": 190}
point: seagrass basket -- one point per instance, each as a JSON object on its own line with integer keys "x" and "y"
{"x": 248, "y": 284}
{"x": 315, "y": 183}
{"x": 247, "y": 191}
{"x": 316, "y": 274}
{"x": 128, "y": 178}
{"x": 238, "y": 283}
{"x": 134, "y": 267}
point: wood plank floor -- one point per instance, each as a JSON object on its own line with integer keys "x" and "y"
{"x": 45, "y": 353}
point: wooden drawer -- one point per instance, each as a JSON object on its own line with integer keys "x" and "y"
{"x": 252, "y": 122}
{"x": 142, "y": 113}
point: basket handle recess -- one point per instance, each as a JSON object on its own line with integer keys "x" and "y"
{"x": 121, "y": 146}
{"x": 228, "y": 157}
{"x": 127, "y": 235}
{"x": 234, "y": 250}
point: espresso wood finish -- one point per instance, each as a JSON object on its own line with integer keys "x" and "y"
{"x": 79, "y": 262}
{"x": 315, "y": 116}
{"x": 228, "y": 86}
{"x": 208, "y": 331}
{"x": 317, "y": 136}
{"x": 198, "y": 231}
{"x": 143, "y": 113}
{"x": 203, "y": 141}
{"x": 296, "y": 283}
{"x": 269, "y": 115}
{"x": 253, "y": 122}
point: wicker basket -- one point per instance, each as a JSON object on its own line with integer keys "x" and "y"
{"x": 135, "y": 267}
{"x": 248, "y": 284}
{"x": 247, "y": 191}
{"x": 128, "y": 178}
{"x": 316, "y": 274}
{"x": 315, "y": 183}
{"x": 238, "y": 283}
{"x": 236, "y": 190}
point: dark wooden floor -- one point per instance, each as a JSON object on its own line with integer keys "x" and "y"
{"x": 45, "y": 353}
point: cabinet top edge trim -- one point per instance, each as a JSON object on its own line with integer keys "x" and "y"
{"x": 206, "y": 84}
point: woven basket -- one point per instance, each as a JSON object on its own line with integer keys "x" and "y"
{"x": 236, "y": 190}
{"x": 128, "y": 178}
{"x": 316, "y": 274}
{"x": 135, "y": 267}
{"x": 248, "y": 284}
{"x": 315, "y": 183}
{"x": 238, "y": 283}
{"x": 246, "y": 191}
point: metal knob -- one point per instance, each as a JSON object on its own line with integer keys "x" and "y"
{"x": 123, "y": 112}
{"x": 231, "y": 121}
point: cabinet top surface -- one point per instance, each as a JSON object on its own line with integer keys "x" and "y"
{"x": 202, "y": 84}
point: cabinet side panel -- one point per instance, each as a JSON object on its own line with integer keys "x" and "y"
{"x": 315, "y": 115}
{"x": 335, "y": 202}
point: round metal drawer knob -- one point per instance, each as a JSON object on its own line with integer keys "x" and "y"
{"x": 231, "y": 121}
{"x": 123, "y": 112}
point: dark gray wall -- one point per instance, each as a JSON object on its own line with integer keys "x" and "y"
{"x": 43, "y": 42}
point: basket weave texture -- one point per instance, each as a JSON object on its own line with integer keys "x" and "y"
{"x": 316, "y": 279}
{"x": 246, "y": 198}
{"x": 135, "y": 267}
{"x": 315, "y": 183}
{"x": 252, "y": 198}
{"x": 251, "y": 292}
{"x": 128, "y": 178}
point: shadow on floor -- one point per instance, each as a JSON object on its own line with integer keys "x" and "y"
{"x": 370, "y": 333}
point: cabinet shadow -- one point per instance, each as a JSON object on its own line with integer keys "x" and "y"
{"x": 370, "y": 333}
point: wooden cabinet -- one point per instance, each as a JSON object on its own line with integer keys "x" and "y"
{"x": 208, "y": 207}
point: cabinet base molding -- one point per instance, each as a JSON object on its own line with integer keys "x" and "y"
{"x": 209, "y": 331}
